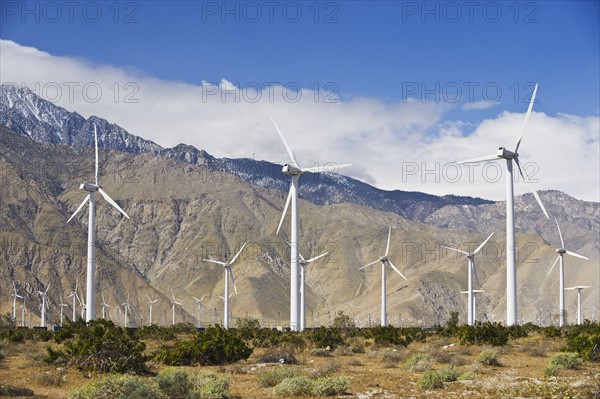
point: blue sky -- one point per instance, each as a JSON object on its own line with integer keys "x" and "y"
{"x": 381, "y": 58}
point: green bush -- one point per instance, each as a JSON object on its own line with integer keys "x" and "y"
{"x": 295, "y": 386}
{"x": 329, "y": 386}
{"x": 217, "y": 388}
{"x": 390, "y": 335}
{"x": 325, "y": 337}
{"x": 483, "y": 333}
{"x": 585, "y": 340}
{"x": 273, "y": 377}
{"x": 213, "y": 346}
{"x": 321, "y": 352}
{"x": 418, "y": 362}
{"x": 551, "y": 371}
{"x": 116, "y": 386}
{"x": 489, "y": 357}
{"x": 430, "y": 380}
{"x": 449, "y": 373}
{"x": 101, "y": 347}
{"x": 174, "y": 383}
{"x": 566, "y": 360}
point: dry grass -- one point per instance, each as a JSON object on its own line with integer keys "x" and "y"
{"x": 520, "y": 375}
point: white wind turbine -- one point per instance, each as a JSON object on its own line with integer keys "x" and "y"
{"x": 199, "y": 309}
{"x": 173, "y": 303}
{"x": 228, "y": 273}
{"x": 511, "y": 269}
{"x": 104, "y": 306}
{"x": 127, "y": 308}
{"x": 150, "y": 303}
{"x": 579, "y": 312}
{"x": 15, "y": 295}
{"x": 303, "y": 264}
{"x": 294, "y": 170}
{"x": 474, "y": 302}
{"x": 384, "y": 260}
{"x": 44, "y": 295}
{"x": 91, "y": 256}
{"x": 62, "y": 306}
{"x": 472, "y": 270}
{"x": 75, "y": 297}
{"x": 561, "y": 298}
{"x": 23, "y": 311}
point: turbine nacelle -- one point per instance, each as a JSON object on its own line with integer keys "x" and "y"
{"x": 89, "y": 187}
{"x": 383, "y": 258}
{"x": 506, "y": 154}
{"x": 291, "y": 169}
{"x": 561, "y": 251}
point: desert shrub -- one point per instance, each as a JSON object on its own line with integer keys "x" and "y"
{"x": 489, "y": 357}
{"x": 273, "y": 377}
{"x": 116, "y": 386}
{"x": 329, "y": 386}
{"x": 12, "y": 391}
{"x": 283, "y": 356}
{"x": 213, "y": 346}
{"x": 449, "y": 373}
{"x": 566, "y": 360}
{"x": 53, "y": 377}
{"x": 441, "y": 355}
{"x": 321, "y": 352}
{"x": 247, "y": 323}
{"x": 357, "y": 344}
{"x": 325, "y": 369}
{"x": 354, "y": 362}
{"x": 458, "y": 361}
{"x": 418, "y": 362}
{"x": 217, "y": 388}
{"x": 174, "y": 383}
{"x": 551, "y": 332}
{"x": 325, "y": 337}
{"x": 552, "y": 371}
{"x": 101, "y": 347}
{"x": 483, "y": 333}
{"x": 43, "y": 335}
{"x": 584, "y": 340}
{"x": 295, "y": 386}
{"x": 430, "y": 380}
{"x": 166, "y": 333}
{"x": 467, "y": 376}
{"x": 391, "y": 359}
{"x": 343, "y": 351}
{"x": 390, "y": 335}
{"x": 268, "y": 338}
{"x": 342, "y": 321}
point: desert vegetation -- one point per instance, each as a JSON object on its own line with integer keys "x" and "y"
{"x": 102, "y": 360}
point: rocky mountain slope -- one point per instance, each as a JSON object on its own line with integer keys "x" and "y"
{"x": 183, "y": 212}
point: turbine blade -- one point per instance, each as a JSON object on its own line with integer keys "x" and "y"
{"x": 520, "y": 136}
{"x": 113, "y": 203}
{"x": 532, "y": 188}
{"x": 396, "y": 270}
{"x": 387, "y": 248}
{"x": 370, "y": 264}
{"x": 103, "y": 300}
{"x": 480, "y": 159}
{"x": 483, "y": 244}
{"x": 146, "y": 297}
{"x": 96, "y": 143}
{"x": 232, "y": 280}
{"x": 560, "y": 234}
{"x": 285, "y": 208}
{"x": 47, "y": 288}
{"x": 457, "y": 250}
{"x": 202, "y": 297}
{"x": 285, "y": 143}
{"x": 577, "y": 255}
{"x": 215, "y": 261}
{"x": 316, "y": 257}
{"x": 554, "y": 264}
{"x": 331, "y": 167}
{"x": 238, "y": 254}
{"x": 87, "y": 197}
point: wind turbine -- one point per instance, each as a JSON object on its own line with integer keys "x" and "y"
{"x": 14, "y": 306}
{"x": 23, "y": 311}
{"x": 472, "y": 270}
{"x": 228, "y": 273}
{"x": 579, "y": 288}
{"x": 104, "y": 306}
{"x": 199, "y": 309}
{"x": 561, "y": 251}
{"x": 127, "y": 308}
{"x": 384, "y": 260}
{"x": 91, "y": 256}
{"x": 75, "y": 297}
{"x": 173, "y": 303}
{"x": 150, "y": 303}
{"x": 44, "y": 295}
{"x": 511, "y": 269}
{"x": 303, "y": 264}
{"x": 62, "y": 305}
{"x": 474, "y": 303}
{"x": 294, "y": 170}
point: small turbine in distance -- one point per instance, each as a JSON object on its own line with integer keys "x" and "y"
{"x": 579, "y": 288}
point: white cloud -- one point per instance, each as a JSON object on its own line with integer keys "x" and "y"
{"x": 393, "y": 145}
{"x": 478, "y": 105}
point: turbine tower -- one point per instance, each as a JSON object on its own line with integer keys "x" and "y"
{"x": 471, "y": 270}
{"x": 62, "y": 305}
{"x": 75, "y": 297}
{"x": 173, "y": 303}
{"x": 91, "y": 256}
{"x": 511, "y": 269}
{"x": 150, "y": 303}
{"x": 384, "y": 260}
{"x": 294, "y": 170}
{"x": 561, "y": 297}
{"x": 14, "y": 305}
{"x": 474, "y": 303}
{"x": 199, "y": 310}
{"x": 44, "y": 295}
{"x": 303, "y": 264}
{"x": 127, "y": 308}
{"x": 104, "y": 306}
{"x": 228, "y": 273}
{"x": 579, "y": 313}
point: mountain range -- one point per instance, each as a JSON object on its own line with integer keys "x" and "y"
{"x": 186, "y": 205}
